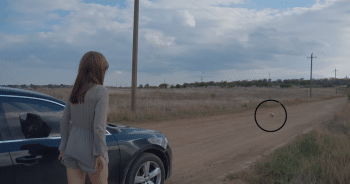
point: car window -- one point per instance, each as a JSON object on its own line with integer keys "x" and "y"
{"x": 14, "y": 107}
{"x": 4, "y": 131}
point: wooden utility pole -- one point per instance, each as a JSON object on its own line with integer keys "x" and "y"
{"x": 346, "y": 84}
{"x": 134, "y": 55}
{"x": 335, "y": 81}
{"x": 311, "y": 73}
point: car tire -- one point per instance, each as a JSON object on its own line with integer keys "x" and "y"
{"x": 137, "y": 173}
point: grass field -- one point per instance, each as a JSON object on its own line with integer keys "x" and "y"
{"x": 166, "y": 104}
{"x": 321, "y": 156}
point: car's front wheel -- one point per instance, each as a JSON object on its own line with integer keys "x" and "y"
{"x": 146, "y": 169}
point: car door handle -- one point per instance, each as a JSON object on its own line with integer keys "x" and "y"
{"x": 29, "y": 159}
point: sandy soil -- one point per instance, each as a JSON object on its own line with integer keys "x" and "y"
{"x": 206, "y": 149}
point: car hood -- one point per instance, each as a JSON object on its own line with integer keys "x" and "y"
{"x": 127, "y": 133}
{"x": 136, "y": 130}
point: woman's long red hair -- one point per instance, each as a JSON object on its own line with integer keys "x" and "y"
{"x": 92, "y": 68}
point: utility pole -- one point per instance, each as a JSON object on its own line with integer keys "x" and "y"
{"x": 134, "y": 55}
{"x": 201, "y": 78}
{"x": 346, "y": 87}
{"x": 335, "y": 80}
{"x": 311, "y": 73}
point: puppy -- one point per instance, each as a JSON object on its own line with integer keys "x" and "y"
{"x": 34, "y": 126}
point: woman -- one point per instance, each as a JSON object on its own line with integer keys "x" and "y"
{"x": 83, "y": 146}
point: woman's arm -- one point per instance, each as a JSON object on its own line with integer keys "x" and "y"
{"x": 101, "y": 112}
{"x": 64, "y": 127}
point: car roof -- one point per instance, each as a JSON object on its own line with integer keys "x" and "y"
{"x": 27, "y": 93}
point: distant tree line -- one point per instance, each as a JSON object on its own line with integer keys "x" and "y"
{"x": 287, "y": 83}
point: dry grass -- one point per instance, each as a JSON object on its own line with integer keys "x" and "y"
{"x": 319, "y": 157}
{"x": 165, "y": 104}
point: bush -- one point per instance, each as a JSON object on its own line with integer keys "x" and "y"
{"x": 283, "y": 85}
{"x": 224, "y": 84}
{"x": 203, "y": 84}
{"x": 327, "y": 85}
{"x": 232, "y": 85}
{"x": 248, "y": 84}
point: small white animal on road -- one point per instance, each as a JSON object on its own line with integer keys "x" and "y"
{"x": 271, "y": 114}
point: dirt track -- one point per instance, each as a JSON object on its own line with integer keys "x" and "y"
{"x": 206, "y": 149}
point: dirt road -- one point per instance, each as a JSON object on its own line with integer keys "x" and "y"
{"x": 206, "y": 149}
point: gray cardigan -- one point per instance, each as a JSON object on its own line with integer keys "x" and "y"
{"x": 83, "y": 127}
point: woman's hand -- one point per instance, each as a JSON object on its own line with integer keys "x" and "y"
{"x": 61, "y": 156}
{"x": 99, "y": 164}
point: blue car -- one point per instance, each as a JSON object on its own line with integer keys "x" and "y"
{"x": 136, "y": 155}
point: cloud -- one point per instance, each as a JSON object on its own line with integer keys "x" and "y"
{"x": 157, "y": 38}
{"x": 189, "y": 19}
{"x": 8, "y": 39}
{"x": 34, "y": 59}
{"x": 183, "y": 36}
{"x": 39, "y": 7}
{"x": 53, "y": 16}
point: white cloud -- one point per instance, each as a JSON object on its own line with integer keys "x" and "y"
{"x": 45, "y": 34}
{"x": 34, "y": 59}
{"x": 189, "y": 19}
{"x": 7, "y": 39}
{"x": 53, "y": 16}
{"x": 39, "y": 7}
{"x": 157, "y": 38}
{"x": 237, "y": 35}
{"x": 182, "y": 4}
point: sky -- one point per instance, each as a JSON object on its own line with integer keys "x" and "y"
{"x": 42, "y": 42}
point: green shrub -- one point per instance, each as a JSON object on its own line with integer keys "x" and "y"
{"x": 232, "y": 85}
{"x": 283, "y": 85}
